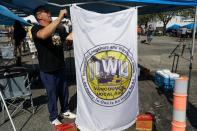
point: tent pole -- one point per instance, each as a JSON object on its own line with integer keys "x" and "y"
{"x": 68, "y": 5}
{"x": 4, "y": 104}
{"x": 192, "y": 51}
{"x": 194, "y": 28}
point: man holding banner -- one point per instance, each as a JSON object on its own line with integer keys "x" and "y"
{"x": 49, "y": 37}
{"x": 105, "y": 48}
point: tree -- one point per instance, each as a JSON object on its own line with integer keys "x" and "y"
{"x": 144, "y": 19}
{"x": 165, "y": 18}
{"x": 187, "y": 13}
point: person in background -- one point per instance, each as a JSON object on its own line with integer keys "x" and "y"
{"x": 19, "y": 35}
{"x": 30, "y": 40}
{"x": 139, "y": 31}
{"x": 183, "y": 33}
{"x": 49, "y": 37}
{"x": 150, "y": 31}
{"x": 143, "y": 29}
{"x": 9, "y": 31}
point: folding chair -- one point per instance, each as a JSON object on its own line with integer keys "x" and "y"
{"x": 15, "y": 84}
{"x": 7, "y": 55}
{"x": 4, "y": 103}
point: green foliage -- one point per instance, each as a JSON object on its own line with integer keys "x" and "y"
{"x": 187, "y": 13}
{"x": 144, "y": 19}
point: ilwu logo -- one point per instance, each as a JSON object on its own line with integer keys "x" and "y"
{"x": 108, "y": 74}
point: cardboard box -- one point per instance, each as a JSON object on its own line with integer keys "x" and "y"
{"x": 66, "y": 127}
{"x": 144, "y": 122}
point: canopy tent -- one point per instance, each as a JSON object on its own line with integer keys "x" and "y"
{"x": 147, "y": 6}
{"x": 104, "y": 6}
{"x": 190, "y": 26}
{"x": 165, "y": 2}
{"x": 156, "y": 6}
{"x": 174, "y": 27}
{"x": 8, "y": 18}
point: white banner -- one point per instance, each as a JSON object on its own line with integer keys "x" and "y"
{"x": 105, "y": 48}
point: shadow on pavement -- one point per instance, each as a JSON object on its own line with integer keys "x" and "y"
{"x": 73, "y": 102}
{"x": 26, "y": 122}
{"x": 39, "y": 101}
{"x": 191, "y": 109}
{"x": 70, "y": 71}
{"x": 191, "y": 115}
{"x": 144, "y": 73}
{"x": 167, "y": 93}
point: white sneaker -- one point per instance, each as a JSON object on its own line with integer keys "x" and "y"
{"x": 69, "y": 115}
{"x": 56, "y": 122}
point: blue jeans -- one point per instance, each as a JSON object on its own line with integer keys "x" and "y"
{"x": 56, "y": 87}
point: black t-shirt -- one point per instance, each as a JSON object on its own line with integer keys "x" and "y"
{"x": 50, "y": 50}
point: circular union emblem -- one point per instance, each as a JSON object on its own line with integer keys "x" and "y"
{"x": 108, "y": 74}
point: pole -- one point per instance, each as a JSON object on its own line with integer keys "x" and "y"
{"x": 193, "y": 40}
{"x": 192, "y": 51}
{"x": 1, "y": 96}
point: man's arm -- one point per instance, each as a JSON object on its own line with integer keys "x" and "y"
{"x": 50, "y": 29}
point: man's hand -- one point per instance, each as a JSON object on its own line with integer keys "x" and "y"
{"x": 62, "y": 13}
{"x": 69, "y": 39}
{"x": 48, "y": 30}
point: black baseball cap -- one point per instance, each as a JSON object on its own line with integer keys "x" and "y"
{"x": 41, "y": 8}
